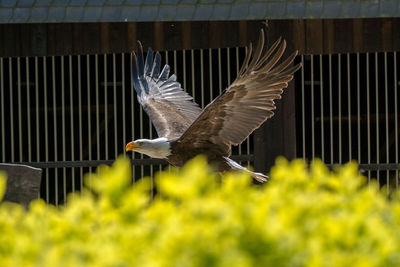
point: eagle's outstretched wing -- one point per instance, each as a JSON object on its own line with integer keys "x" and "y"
{"x": 170, "y": 108}
{"x": 247, "y": 103}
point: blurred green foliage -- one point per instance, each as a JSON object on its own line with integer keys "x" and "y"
{"x": 301, "y": 217}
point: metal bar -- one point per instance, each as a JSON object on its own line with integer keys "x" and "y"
{"x": 386, "y": 121}
{"x": 105, "y": 106}
{"x": 141, "y": 136}
{"x": 330, "y": 107}
{"x": 37, "y": 109}
{"x": 349, "y": 106}
{"x": 89, "y": 108}
{"x": 175, "y": 64}
{"x": 303, "y": 127}
{"x": 228, "y": 68}
{"x": 63, "y": 128}
{"x": 3, "y": 133}
{"x": 202, "y": 77}
{"x": 237, "y": 71}
{"x": 228, "y": 64}
{"x": 151, "y": 165}
{"x": 11, "y": 109}
{"x": 133, "y": 103}
{"x": 53, "y": 70}
{"x": 71, "y": 114}
{"x": 377, "y": 113}
{"x": 321, "y": 86}
{"x": 210, "y": 73}
{"x": 149, "y": 161}
{"x": 46, "y": 127}
{"x": 340, "y": 106}
{"x": 135, "y": 162}
{"x": 96, "y": 61}
{"x": 358, "y": 111}
{"x": 80, "y": 118}
{"x": 368, "y": 118}
{"x": 396, "y": 132}
{"x": 373, "y": 167}
{"x": 28, "y": 108}
{"x": 123, "y": 101}
{"x": 193, "y": 78}
{"x": 312, "y": 109}
{"x": 220, "y": 71}
{"x": 115, "y": 106}
{"x": 19, "y": 108}
{"x": 184, "y": 69}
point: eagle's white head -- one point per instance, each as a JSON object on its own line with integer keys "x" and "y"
{"x": 155, "y": 148}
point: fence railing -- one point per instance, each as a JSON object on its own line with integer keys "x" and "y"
{"x": 68, "y": 114}
{"x": 349, "y": 111}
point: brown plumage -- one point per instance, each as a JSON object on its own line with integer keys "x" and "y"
{"x": 226, "y": 121}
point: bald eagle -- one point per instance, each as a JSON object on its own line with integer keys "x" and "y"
{"x": 185, "y": 130}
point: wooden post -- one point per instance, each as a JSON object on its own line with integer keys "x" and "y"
{"x": 23, "y": 183}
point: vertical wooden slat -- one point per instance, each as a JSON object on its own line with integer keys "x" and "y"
{"x": 92, "y": 38}
{"x": 171, "y": 36}
{"x": 314, "y": 36}
{"x": 104, "y": 37}
{"x": 158, "y": 36}
{"x": 299, "y": 35}
{"x": 64, "y": 39}
{"x": 214, "y": 34}
{"x": 25, "y": 46}
{"x": 118, "y": 41}
{"x": 10, "y": 44}
{"x": 2, "y": 40}
{"x": 372, "y": 35}
{"x": 38, "y": 39}
{"x": 78, "y": 40}
{"x": 186, "y": 33}
{"x": 395, "y": 34}
{"x": 242, "y": 33}
{"x": 386, "y": 35}
{"x": 199, "y": 34}
{"x": 131, "y": 31}
{"x": 358, "y": 43}
{"x": 329, "y": 35}
{"x": 343, "y": 35}
{"x": 51, "y": 39}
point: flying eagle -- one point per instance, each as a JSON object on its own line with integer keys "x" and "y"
{"x": 185, "y": 130}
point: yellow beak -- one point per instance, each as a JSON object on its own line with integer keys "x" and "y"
{"x": 131, "y": 146}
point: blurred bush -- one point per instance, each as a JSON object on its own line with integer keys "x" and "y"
{"x": 301, "y": 217}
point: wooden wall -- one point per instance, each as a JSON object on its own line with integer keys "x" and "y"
{"x": 311, "y": 36}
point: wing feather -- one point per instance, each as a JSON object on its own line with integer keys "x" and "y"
{"x": 248, "y": 102}
{"x": 169, "y": 107}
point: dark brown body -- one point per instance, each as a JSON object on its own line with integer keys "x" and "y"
{"x": 216, "y": 157}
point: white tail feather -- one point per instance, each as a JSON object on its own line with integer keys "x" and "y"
{"x": 256, "y": 175}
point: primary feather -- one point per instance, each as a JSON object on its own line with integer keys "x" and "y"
{"x": 169, "y": 107}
